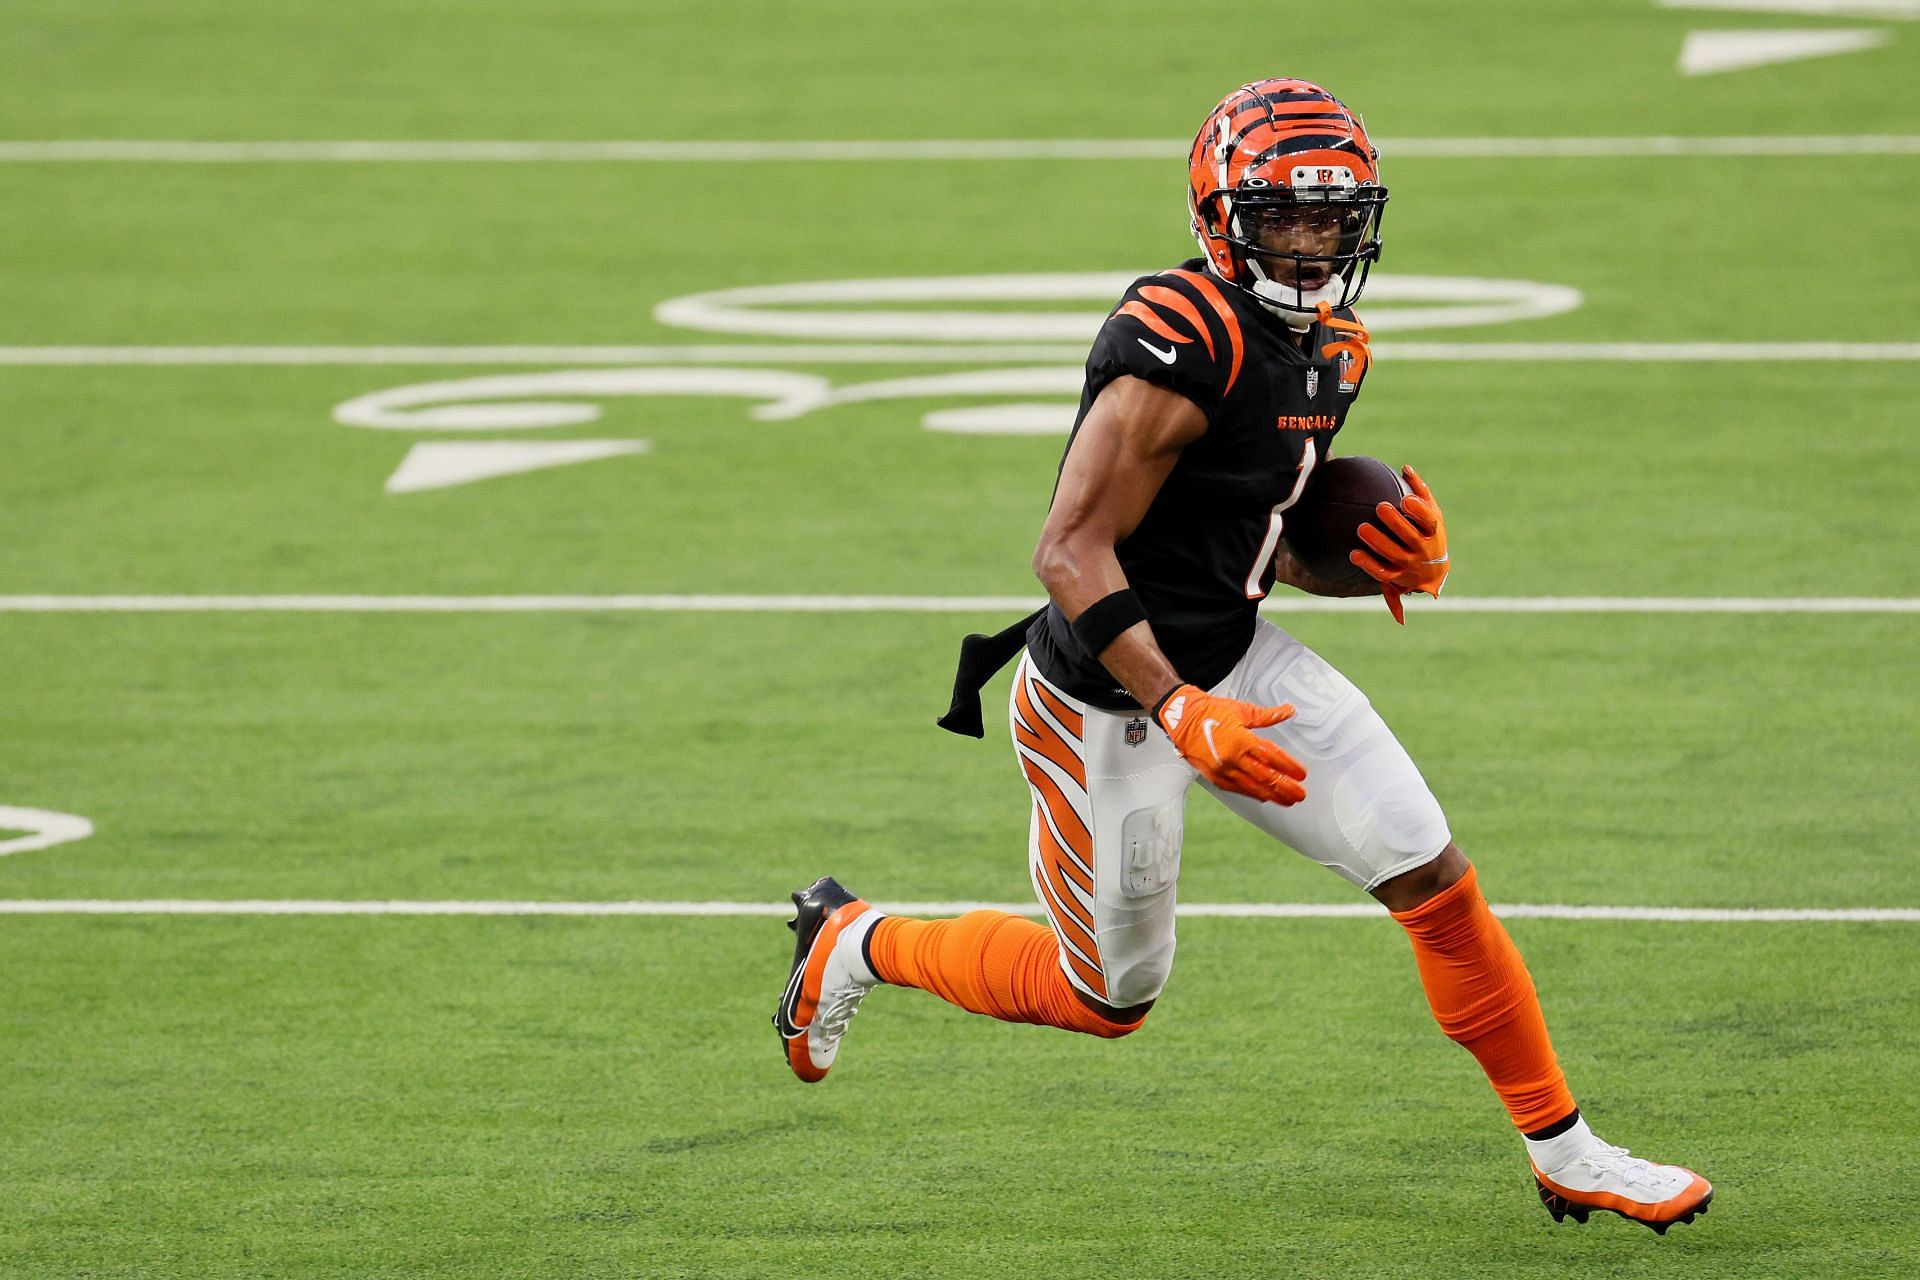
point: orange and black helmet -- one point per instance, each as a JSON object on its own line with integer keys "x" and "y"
{"x": 1276, "y": 156}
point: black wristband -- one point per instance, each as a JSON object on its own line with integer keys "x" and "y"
{"x": 1102, "y": 621}
{"x": 1165, "y": 698}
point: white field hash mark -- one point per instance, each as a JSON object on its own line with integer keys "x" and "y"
{"x": 910, "y": 604}
{"x": 1233, "y": 910}
{"x": 765, "y": 151}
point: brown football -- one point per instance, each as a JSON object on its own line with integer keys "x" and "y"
{"x": 1322, "y": 528}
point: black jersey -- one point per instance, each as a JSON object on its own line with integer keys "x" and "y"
{"x": 1202, "y": 558}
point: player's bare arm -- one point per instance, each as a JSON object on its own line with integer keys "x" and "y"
{"x": 1121, "y": 455}
{"x": 1124, "y": 450}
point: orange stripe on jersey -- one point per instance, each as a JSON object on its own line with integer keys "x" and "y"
{"x": 1211, "y": 292}
{"x": 1146, "y": 316}
{"x": 1074, "y": 722}
{"x": 1175, "y": 301}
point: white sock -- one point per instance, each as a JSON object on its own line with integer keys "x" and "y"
{"x": 854, "y": 939}
{"x": 1549, "y": 1154}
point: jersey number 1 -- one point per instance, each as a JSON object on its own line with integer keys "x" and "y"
{"x": 1276, "y": 522}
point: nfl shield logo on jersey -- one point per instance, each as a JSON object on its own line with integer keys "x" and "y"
{"x": 1136, "y": 731}
{"x": 1313, "y": 383}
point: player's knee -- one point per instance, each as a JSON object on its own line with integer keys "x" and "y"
{"x": 1409, "y": 889}
{"x": 1111, "y": 1022}
{"x": 1380, "y": 801}
{"x": 1142, "y": 978}
{"x": 1107, "y": 1029}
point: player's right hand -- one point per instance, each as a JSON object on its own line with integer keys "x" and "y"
{"x": 1215, "y": 736}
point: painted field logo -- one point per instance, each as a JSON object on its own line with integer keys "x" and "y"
{"x": 1032, "y": 380}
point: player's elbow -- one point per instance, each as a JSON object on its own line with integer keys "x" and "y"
{"x": 1053, "y": 559}
{"x": 1062, "y": 556}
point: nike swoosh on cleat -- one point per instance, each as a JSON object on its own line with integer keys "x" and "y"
{"x": 1164, "y": 357}
{"x": 1207, "y": 727}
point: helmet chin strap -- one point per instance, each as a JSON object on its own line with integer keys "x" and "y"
{"x": 1268, "y": 294}
{"x": 1298, "y": 315}
{"x": 1297, "y": 307}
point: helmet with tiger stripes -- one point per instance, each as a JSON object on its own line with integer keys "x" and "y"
{"x": 1284, "y": 191}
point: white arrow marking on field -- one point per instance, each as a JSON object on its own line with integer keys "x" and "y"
{"x": 44, "y": 829}
{"x": 442, "y": 466}
{"x": 1709, "y": 53}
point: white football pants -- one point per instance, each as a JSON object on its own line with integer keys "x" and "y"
{"x": 1110, "y": 793}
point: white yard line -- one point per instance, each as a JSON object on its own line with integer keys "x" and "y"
{"x": 1649, "y": 352}
{"x": 139, "y": 151}
{"x": 910, "y": 604}
{"x": 838, "y": 353}
{"x": 1897, "y": 10}
{"x": 511, "y": 603}
{"x": 1240, "y": 910}
{"x": 909, "y": 353}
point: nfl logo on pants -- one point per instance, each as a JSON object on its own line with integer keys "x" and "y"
{"x": 1136, "y": 731}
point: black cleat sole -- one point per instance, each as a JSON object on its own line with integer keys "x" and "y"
{"x": 1562, "y": 1208}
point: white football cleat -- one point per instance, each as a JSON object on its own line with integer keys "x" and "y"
{"x": 830, "y": 975}
{"x": 1607, "y": 1177}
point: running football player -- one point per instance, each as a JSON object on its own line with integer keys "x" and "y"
{"x": 1211, "y": 392}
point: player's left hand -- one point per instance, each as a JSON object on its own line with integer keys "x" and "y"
{"x": 1414, "y": 557}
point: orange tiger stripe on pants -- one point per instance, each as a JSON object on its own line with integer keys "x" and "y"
{"x": 1046, "y": 728}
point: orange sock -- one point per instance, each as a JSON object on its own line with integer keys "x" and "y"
{"x": 1482, "y": 996}
{"x": 988, "y": 962}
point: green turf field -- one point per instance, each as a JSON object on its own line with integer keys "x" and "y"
{"x": 181, "y": 349}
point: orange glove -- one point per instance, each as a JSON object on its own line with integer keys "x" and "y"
{"x": 1415, "y": 557}
{"x": 1353, "y": 344}
{"x": 1215, "y": 735}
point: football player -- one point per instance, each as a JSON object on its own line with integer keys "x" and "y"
{"x": 1211, "y": 392}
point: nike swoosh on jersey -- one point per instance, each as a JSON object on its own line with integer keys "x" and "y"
{"x": 1206, "y": 727}
{"x": 1165, "y": 357}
